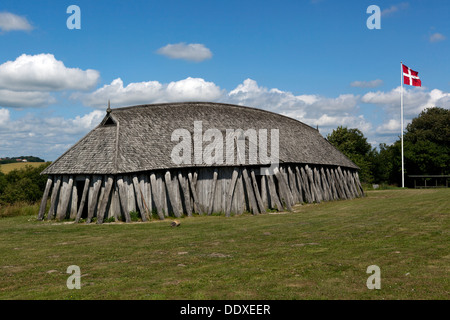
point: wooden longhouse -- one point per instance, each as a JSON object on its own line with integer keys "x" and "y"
{"x": 126, "y": 165}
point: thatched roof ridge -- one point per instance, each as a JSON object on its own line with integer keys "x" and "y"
{"x": 138, "y": 138}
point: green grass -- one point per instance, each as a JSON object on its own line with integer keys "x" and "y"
{"x": 319, "y": 251}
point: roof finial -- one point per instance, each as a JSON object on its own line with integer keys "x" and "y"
{"x": 109, "y": 107}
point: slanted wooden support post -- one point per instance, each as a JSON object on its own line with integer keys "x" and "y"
{"x": 353, "y": 182}
{"x": 97, "y": 183}
{"x": 317, "y": 184}
{"x": 43, "y": 206}
{"x": 349, "y": 183}
{"x": 115, "y": 204}
{"x": 185, "y": 188}
{"x": 156, "y": 196}
{"x": 283, "y": 189}
{"x": 74, "y": 203}
{"x": 250, "y": 193}
{"x": 64, "y": 182}
{"x": 274, "y": 199}
{"x": 101, "y": 194}
{"x": 326, "y": 185}
{"x": 192, "y": 182}
{"x": 259, "y": 200}
{"x": 123, "y": 198}
{"x": 312, "y": 185}
{"x": 356, "y": 176}
{"x": 145, "y": 194}
{"x": 172, "y": 196}
{"x": 264, "y": 191}
{"x": 305, "y": 184}
{"x": 87, "y": 182}
{"x": 301, "y": 186}
{"x": 54, "y": 198}
{"x": 162, "y": 193}
{"x": 105, "y": 199}
{"x": 296, "y": 190}
{"x": 66, "y": 193}
{"x": 239, "y": 195}
{"x": 332, "y": 184}
{"x": 229, "y": 196}
{"x": 338, "y": 184}
{"x": 176, "y": 191}
{"x": 212, "y": 196}
{"x": 139, "y": 198}
{"x": 289, "y": 195}
{"x": 344, "y": 183}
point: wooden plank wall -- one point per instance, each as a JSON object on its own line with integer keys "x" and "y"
{"x": 225, "y": 190}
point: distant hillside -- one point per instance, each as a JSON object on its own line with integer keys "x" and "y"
{"x": 20, "y": 159}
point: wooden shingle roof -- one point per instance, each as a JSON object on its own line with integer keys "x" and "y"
{"x": 138, "y": 138}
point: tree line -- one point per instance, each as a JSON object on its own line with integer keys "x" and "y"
{"x": 426, "y": 146}
{"x": 17, "y": 159}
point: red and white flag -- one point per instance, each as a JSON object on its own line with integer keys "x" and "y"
{"x": 411, "y": 77}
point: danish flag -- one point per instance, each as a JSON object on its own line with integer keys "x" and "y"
{"x": 411, "y": 77}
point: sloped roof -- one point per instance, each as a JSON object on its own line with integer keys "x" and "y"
{"x": 138, "y": 138}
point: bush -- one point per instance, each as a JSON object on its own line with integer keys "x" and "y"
{"x": 24, "y": 185}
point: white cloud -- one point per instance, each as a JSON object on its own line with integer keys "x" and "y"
{"x": 414, "y": 100}
{"x": 25, "y": 99}
{"x": 4, "y": 117}
{"x": 436, "y": 37}
{"x": 367, "y": 84}
{"x": 392, "y": 126}
{"x": 394, "y": 8}
{"x": 45, "y": 137}
{"x": 192, "y": 52}
{"x": 43, "y": 72}
{"x": 250, "y": 94}
{"x": 189, "y": 89}
{"x": 12, "y": 22}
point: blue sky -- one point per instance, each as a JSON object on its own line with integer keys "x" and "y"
{"x": 313, "y": 60}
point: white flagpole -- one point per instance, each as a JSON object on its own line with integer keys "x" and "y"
{"x": 401, "y": 115}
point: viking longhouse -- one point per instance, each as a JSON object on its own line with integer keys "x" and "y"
{"x": 177, "y": 159}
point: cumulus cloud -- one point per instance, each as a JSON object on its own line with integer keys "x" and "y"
{"x": 46, "y": 137}
{"x": 414, "y": 100}
{"x": 192, "y": 52}
{"x": 436, "y": 37}
{"x": 42, "y": 72}
{"x": 25, "y": 99}
{"x": 392, "y": 126}
{"x": 367, "y": 84}
{"x": 13, "y": 22}
{"x": 394, "y": 8}
{"x": 189, "y": 89}
{"x": 4, "y": 117}
{"x": 310, "y": 109}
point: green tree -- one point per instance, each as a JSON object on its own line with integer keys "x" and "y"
{"x": 426, "y": 148}
{"x": 353, "y": 144}
{"x": 427, "y": 143}
{"x": 26, "y": 184}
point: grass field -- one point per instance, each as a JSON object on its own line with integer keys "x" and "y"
{"x": 6, "y": 168}
{"x": 319, "y": 251}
